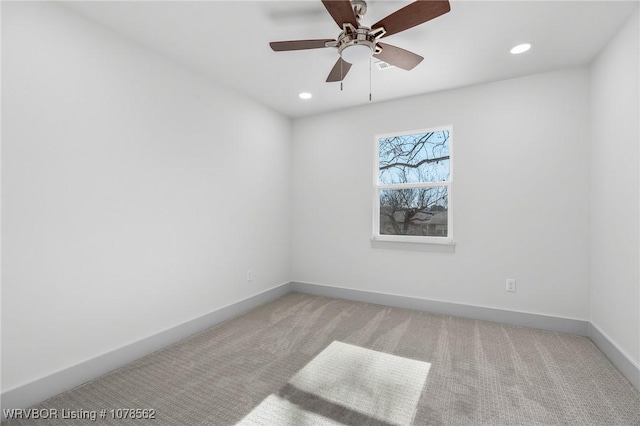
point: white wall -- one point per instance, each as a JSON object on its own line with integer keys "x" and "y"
{"x": 520, "y": 200}
{"x": 615, "y": 214}
{"x": 136, "y": 194}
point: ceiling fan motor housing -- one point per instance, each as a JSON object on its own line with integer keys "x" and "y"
{"x": 358, "y": 44}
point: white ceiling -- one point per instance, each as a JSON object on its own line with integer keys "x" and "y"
{"x": 228, "y": 40}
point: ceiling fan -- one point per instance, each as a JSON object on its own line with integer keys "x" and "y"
{"x": 357, "y": 43}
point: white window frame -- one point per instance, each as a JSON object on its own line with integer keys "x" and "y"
{"x": 377, "y": 186}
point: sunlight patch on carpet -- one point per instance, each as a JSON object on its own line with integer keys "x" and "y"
{"x": 350, "y": 383}
{"x": 275, "y": 410}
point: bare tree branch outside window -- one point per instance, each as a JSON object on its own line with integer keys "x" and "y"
{"x": 414, "y": 176}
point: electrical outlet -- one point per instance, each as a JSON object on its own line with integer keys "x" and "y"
{"x": 249, "y": 274}
{"x": 511, "y": 284}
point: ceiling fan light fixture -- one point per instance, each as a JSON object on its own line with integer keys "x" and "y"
{"x": 356, "y": 53}
{"x": 521, "y": 48}
{"x": 305, "y": 95}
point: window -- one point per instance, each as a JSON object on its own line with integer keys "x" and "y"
{"x": 412, "y": 199}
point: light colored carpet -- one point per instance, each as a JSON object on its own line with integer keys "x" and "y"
{"x": 481, "y": 373}
{"x": 348, "y": 381}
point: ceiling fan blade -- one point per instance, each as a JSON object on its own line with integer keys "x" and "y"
{"x": 398, "y": 57}
{"x": 280, "y": 46}
{"x": 341, "y": 11}
{"x": 339, "y": 71}
{"x": 416, "y": 13}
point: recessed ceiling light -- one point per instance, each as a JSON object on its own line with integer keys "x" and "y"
{"x": 305, "y": 95}
{"x": 383, "y": 65}
{"x": 521, "y": 48}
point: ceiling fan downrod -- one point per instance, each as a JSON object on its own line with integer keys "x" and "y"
{"x": 359, "y": 8}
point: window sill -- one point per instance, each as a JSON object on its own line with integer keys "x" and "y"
{"x": 444, "y": 245}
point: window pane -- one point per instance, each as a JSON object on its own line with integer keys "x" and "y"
{"x": 414, "y": 211}
{"x": 423, "y": 157}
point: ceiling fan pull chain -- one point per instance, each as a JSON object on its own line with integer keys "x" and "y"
{"x": 369, "y": 79}
{"x": 341, "y": 75}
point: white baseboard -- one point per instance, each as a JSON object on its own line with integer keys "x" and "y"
{"x": 629, "y": 368}
{"x": 525, "y": 319}
{"x": 39, "y": 390}
{"x": 42, "y": 389}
